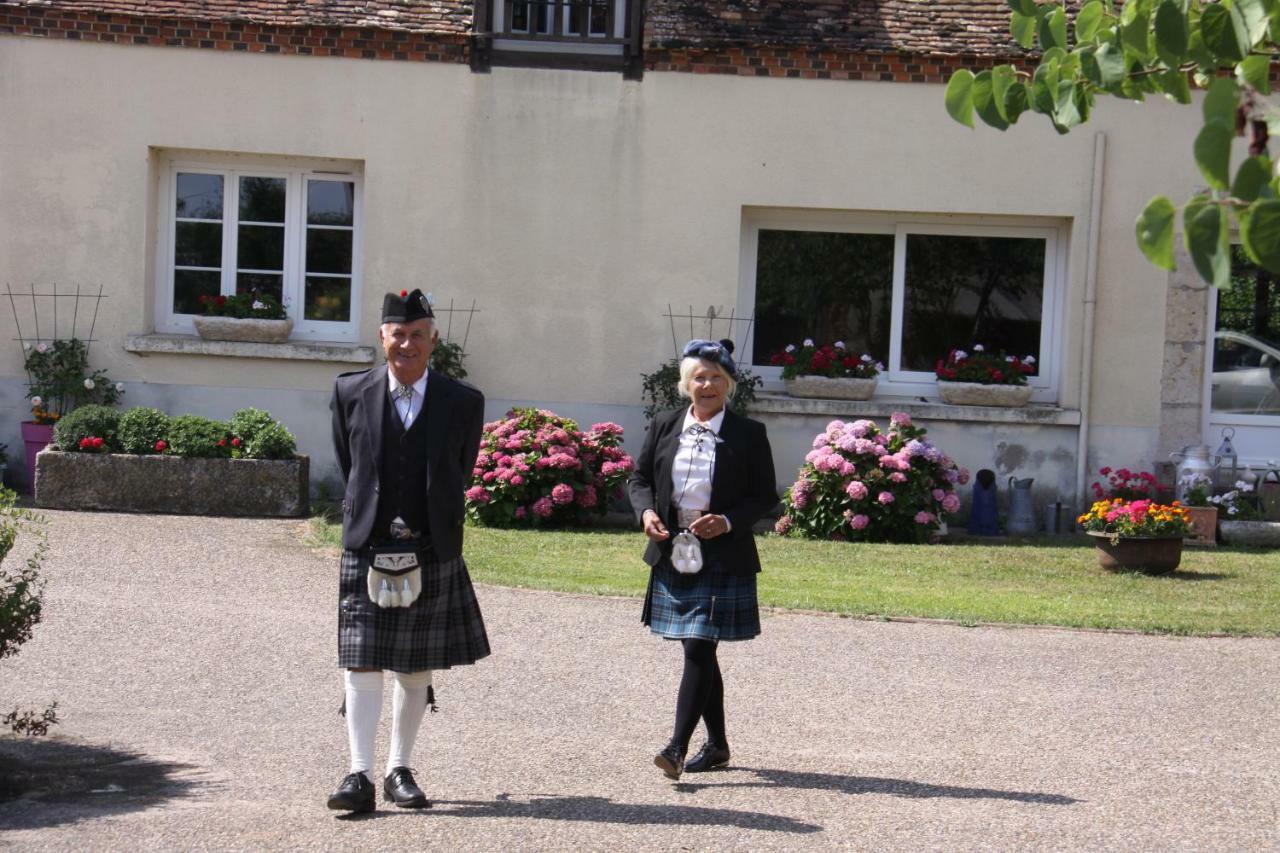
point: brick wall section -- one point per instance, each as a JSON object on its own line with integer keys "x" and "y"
{"x": 356, "y": 43}
{"x": 816, "y": 64}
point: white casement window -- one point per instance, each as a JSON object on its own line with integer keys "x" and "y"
{"x": 570, "y": 26}
{"x": 905, "y": 289}
{"x": 291, "y": 231}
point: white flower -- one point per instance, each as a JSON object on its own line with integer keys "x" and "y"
{"x": 961, "y": 355}
{"x": 791, "y": 348}
{"x": 838, "y": 345}
{"x": 88, "y": 384}
{"x": 120, "y": 387}
{"x": 866, "y": 359}
{"x": 879, "y": 366}
{"x": 42, "y": 347}
{"x": 1031, "y": 359}
{"x": 808, "y": 342}
{"x": 258, "y": 305}
{"x": 36, "y": 401}
{"x": 1009, "y": 359}
{"x": 978, "y": 348}
{"x": 1231, "y": 510}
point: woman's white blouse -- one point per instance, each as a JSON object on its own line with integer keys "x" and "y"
{"x": 695, "y": 462}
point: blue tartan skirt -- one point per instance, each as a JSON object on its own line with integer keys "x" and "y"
{"x": 707, "y": 606}
{"x": 443, "y": 628}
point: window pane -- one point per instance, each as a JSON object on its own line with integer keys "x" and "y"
{"x": 826, "y": 286}
{"x": 1246, "y": 343}
{"x": 962, "y": 291}
{"x": 519, "y": 17}
{"x": 199, "y": 196}
{"x": 197, "y": 244}
{"x": 328, "y": 299}
{"x": 190, "y": 285}
{"x": 600, "y": 19}
{"x": 263, "y": 283}
{"x": 262, "y": 199}
{"x": 261, "y": 247}
{"x": 328, "y": 251}
{"x": 330, "y": 202}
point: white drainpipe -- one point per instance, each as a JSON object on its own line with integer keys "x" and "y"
{"x": 1090, "y": 306}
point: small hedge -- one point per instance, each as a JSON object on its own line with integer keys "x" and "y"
{"x": 256, "y": 435}
{"x": 88, "y": 422}
{"x": 250, "y": 434}
{"x": 194, "y": 436}
{"x": 143, "y": 430}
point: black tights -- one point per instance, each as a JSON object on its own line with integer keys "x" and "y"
{"x": 701, "y": 695}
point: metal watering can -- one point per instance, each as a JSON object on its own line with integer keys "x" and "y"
{"x": 1022, "y": 515}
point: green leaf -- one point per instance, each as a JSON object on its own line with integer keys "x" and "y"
{"x": 959, "y": 97}
{"x": 1209, "y": 245}
{"x": 1002, "y": 77}
{"x": 984, "y": 101}
{"x": 1171, "y": 33}
{"x": 1255, "y": 17}
{"x": 1053, "y": 27}
{"x": 1199, "y": 54}
{"x": 1089, "y": 20}
{"x": 1023, "y": 28}
{"x": 1135, "y": 28}
{"x": 1255, "y": 71}
{"x": 1175, "y": 85}
{"x": 1213, "y": 154}
{"x": 1251, "y": 177}
{"x": 1224, "y": 33}
{"x": 1041, "y": 98}
{"x": 1155, "y": 231}
{"x": 1221, "y": 101}
{"x": 1110, "y": 61}
{"x": 1023, "y": 7}
{"x": 1260, "y": 233}
{"x": 1015, "y": 101}
{"x": 1066, "y": 113}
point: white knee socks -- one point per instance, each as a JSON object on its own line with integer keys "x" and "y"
{"x": 364, "y": 707}
{"x": 408, "y": 705}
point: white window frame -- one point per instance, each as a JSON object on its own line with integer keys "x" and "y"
{"x": 583, "y": 47}
{"x": 895, "y": 381}
{"x": 296, "y": 174}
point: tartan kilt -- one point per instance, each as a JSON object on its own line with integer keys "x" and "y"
{"x": 707, "y": 606}
{"x": 443, "y": 628}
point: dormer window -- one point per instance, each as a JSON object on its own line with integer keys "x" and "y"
{"x": 588, "y": 34}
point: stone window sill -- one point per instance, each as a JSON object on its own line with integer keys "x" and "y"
{"x": 289, "y": 351}
{"x": 781, "y": 404}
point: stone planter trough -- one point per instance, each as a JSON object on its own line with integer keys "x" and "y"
{"x": 977, "y": 394}
{"x": 1263, "y": 534}
{"x": 244, "y": 329}
{"x": 1149, "y": 555}
{"x": 172, "y": 485}
{"x": 831, "y": 388}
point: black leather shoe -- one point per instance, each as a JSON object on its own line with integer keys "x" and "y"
{"x": 355, "y": 794}
{"x": 399, "y": 788}
{"x": 670, "y": 761}
{"x": 709, "y": 757}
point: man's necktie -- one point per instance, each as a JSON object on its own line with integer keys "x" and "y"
{"x": 405, "y": 392}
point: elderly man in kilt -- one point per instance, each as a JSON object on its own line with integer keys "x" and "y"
{"x": 406, "y": 439}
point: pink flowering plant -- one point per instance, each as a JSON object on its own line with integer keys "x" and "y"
{"x": 834, "y": 360}
{"x": 860, "y": 483}
{"x": 536, "y": 468}
{"x": 1125, "y": 484}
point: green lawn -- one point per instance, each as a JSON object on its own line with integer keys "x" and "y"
{"x": 1045, "y": 581}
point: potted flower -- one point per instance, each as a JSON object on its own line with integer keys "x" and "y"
{"x": 252, "y": 317}
{"x": 1242, "y": 521}
{"x": 829, "y": 371}
{"x": 1125, "y": 484}
{"x": 1137, "y": 535}
{"x": 981, "y": 378}
{"x": 59, "y": 379}
{"x": 1197, "y": 490}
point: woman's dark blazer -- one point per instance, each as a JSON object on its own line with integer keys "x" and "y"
{"x": 742, "y": 488}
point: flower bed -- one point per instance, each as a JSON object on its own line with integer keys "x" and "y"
{"x": 859, "y": 483}
{"x": 537, "y": 468}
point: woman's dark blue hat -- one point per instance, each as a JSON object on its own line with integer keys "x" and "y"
{"x": 720, "y": 352}
{"x": 405, "y": 307}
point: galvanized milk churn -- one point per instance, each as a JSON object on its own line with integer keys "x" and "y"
{"x": 1022, "y": 515}
{"x": 1194, "y": 460}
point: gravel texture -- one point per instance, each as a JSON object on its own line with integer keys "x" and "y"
{"x": 193, "y": 663}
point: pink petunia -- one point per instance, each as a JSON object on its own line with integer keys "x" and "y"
{"x": 859, "y": 522}
{"x": 885, "y": 498}
{"x": 477, "y": 494}
{"x": 938, "y": 494}
{"x": 923, "y": 517}
{"x": 897, "y": 477}
{"x": 861, "y": 428}
{"x": 951, "y": 503}
{"x": 543, "y": 507}
{"x": 489, "y": 476}
{"x": 517, "y": 480}
{"x": 856, "y": 490}
{"x": 900, "y": 419}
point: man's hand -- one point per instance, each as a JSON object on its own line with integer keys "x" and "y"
{"x": 654, "y": 528}
{"x": 709, "y": 526}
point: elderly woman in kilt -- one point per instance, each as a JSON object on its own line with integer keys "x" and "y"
{"x": 704, "y": 477}
{"x": 406, "y": 439}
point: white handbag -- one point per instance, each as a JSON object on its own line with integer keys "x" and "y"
{"x": 686, "y": 553}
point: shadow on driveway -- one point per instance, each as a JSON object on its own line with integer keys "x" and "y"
{"x": 871, "y": 785}
{"x": 50, "y": 781}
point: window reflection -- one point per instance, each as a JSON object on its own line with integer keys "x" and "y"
{"x": 198, "y": 196}
{"x": 1246, "y": 346}
{"x": 330, "y": 203}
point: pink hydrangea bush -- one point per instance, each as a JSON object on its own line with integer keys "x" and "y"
{"x": 537, "y": 468}
{"x": 861, "y": 484}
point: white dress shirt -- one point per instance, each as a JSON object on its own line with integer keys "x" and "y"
{"x": 409, "y": 409}
{"x": 695, "y": 462}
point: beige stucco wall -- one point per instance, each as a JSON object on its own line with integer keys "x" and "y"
{"x": 572, "y": 206}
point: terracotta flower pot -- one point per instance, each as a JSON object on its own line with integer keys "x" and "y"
{"x": 1204, "y": 525}
{"x": 831, "y": 387}
{"x": 977, "y": 394}
{"x": 1146, "y": 554}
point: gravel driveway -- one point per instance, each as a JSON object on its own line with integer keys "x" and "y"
{"x": 193, "y": 663}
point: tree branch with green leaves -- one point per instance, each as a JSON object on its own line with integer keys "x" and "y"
{"x": 1157, "y": 47}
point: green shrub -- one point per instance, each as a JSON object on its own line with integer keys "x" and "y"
{"x": 661, "y": 389}
{"x": 247, "y": 423}
{"x": 272, "y": 441}
{"x": 140, "y": 428}
{"x": 92, "y": 421}
{"x": 447, "y": 358}
{"x": 194, "y": 436}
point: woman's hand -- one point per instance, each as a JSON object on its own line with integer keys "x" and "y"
{"x": 654, "y": 528}
{"x": 709, "y": 526}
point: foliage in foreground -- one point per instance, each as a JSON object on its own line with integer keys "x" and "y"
{"x": 21, "y": 592}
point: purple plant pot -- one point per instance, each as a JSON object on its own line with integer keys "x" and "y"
{"x": 35, "y": 437}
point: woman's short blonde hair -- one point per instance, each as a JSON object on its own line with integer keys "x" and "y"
{"x": 691, "y": 364}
